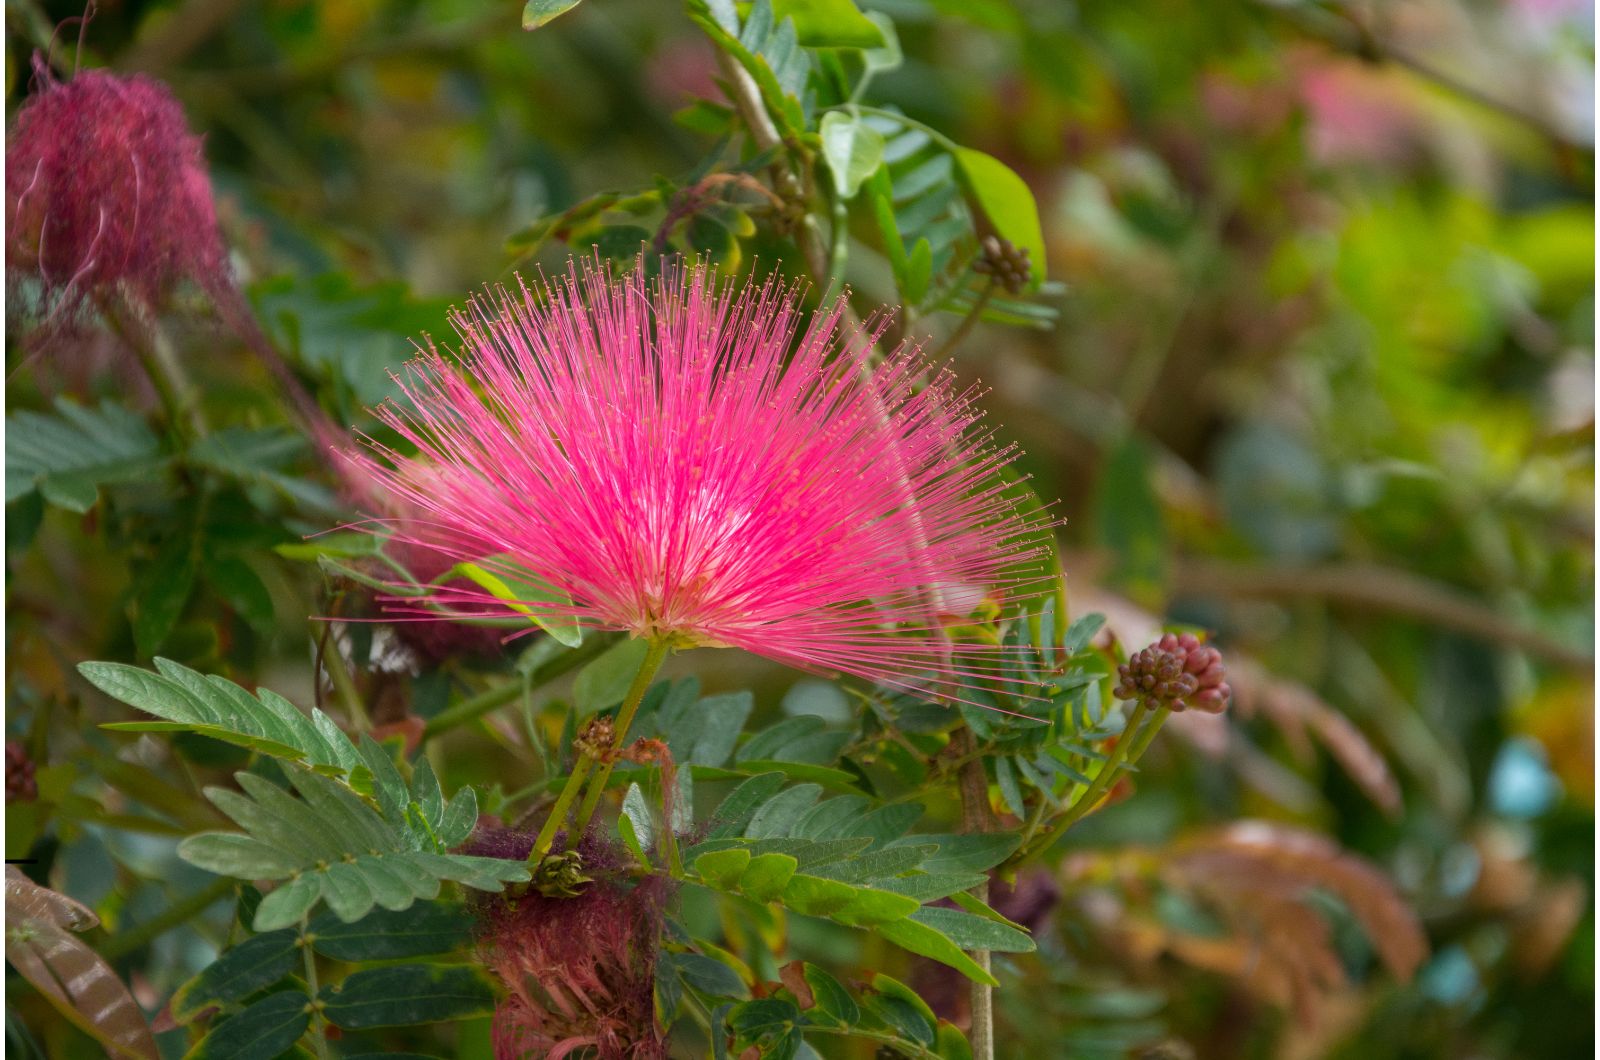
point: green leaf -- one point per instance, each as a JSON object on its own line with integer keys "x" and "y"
{"x": 254, "y": 964}
{"x": 423, "y": 930}
{"x": 425, "y": 792}
{"x": 815, "y": 896}
{"x": 703, "y": 732}
{"x": 918, "y": 272}
{"x": 829, "y": 23}
{"x": 162, "y": 590}
{"x": 830, "y": 996}
{"x": 214, "y": 707}
{"x": 722, "y": 868}
{"x": 974, "y": 932}
{"x": 508, "y": 581}
{"x": 332, "y": 845}
{"x": 69, "y": 455}
{"x": 1005, "y": 201}
{"x": 801, "y": 739}
{"x": 931, "y": 886}
{"x": 735, "y": 811}
{"x": 950, "y": 1043}
{"x": 606, "y": 680}
{"x": 869, "y": 906}
{"x": 459, "y": 818}
{"x": 921, "y": 1022}
{"x": 637, "y": 810}
{"x": 779, "y": 815}
{"x": 405, "y": 994}
{"x": 284, "y": 905}
{"x": 242, "y": 587}
{"x": 887, "y": 56}
{"x": 1128, "y": 518}
{"x": 767, "y": 875}
{"x": 238, "y": 856}
{"x": 853, "y": 149}
{"x": 264, "y": 1031}
{"x": 911, "y": 934}
{"x": 706, "y": 974}
{"x": 537, "y": 13}
{"x": 964, "y": 853}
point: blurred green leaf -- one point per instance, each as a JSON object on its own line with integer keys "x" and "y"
{"x": 853, "y": 148}
{"x": 1005, "y": 201}
{"x": 405, "y": 994}
{"x": 536, "y": 13}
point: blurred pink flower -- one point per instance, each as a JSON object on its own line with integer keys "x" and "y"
{"x": 683, "y": 461}
{"x": 106, "y": 188}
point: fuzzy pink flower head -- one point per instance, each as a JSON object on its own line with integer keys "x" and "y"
{"x": 107, "y": 187}
{"x": 687, "y": 460}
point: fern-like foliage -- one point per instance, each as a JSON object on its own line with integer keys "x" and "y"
{"x": 358, "y": 836}
{"x": 188, "y": 701}
{"x": 845, "y": 861}
{"x": 67, "y": 456}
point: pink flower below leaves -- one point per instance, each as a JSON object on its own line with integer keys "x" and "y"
{"x": 688, "y": 460}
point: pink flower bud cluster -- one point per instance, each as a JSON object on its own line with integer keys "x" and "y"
{"x": 1176, "y": 672}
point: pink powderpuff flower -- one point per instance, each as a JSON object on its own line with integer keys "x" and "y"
{"x": 106, "y": 189}
{"x": 684, "y": 460}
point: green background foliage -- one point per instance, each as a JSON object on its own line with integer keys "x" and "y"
{"x": 1305, "y": 359}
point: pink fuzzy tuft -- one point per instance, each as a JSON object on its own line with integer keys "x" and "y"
{"x": 684, "y": 459}
{"x": 106, "y": 187}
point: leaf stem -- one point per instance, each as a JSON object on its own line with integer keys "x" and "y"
{"x": 343, "y": 684}
{"x": 968, "y": 322}
{"x": 319, "y": 1033}
{"x": 477, "y": 706}
{"x": 135, "y": 324}
{"x": 181, "y": 912}
{"x": 558, "y": 812}
{"x": 660, "y": 648}
{"x": 1107, "y": 774}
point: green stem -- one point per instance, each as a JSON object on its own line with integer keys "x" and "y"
{"x": 344, "y": 684}
{"x": 1108, "y": 772}
{"x": 180, "y": 913}
{"x": 319, "y": 1034}
{"x": 968, "y": 322}
{"x": 910, "y": 123}
{"x": 839, "y": 247}
{"x": 659, "y": 649}
{"x": 558, "y": 812}
{"x": 477, "y": 706}
{"x": 137, "y": 326}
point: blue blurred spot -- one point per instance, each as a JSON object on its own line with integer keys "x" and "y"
{"x": 1520, "y": 783}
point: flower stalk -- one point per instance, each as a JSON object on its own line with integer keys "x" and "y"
{"x": 659, "y": 648}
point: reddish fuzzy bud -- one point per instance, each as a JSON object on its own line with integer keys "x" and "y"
{"x": 1176, "y": 672}
{"x": 21, "y": 785}
{"x": 106, "y": 188}
{"x": 579, "y": 971}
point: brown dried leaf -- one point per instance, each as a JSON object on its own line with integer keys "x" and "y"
{"x": 67, "y": 972}
{"x": 793, "y": 975}
{"x": 1256, "y": 858}
{"x": 1296, "y": 710}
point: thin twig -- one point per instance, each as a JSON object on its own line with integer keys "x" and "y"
{"x": 180, "y": 912}
{"x": 1381, "y": 588}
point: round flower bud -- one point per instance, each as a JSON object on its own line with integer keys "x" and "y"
{"x": 1176, "y": 672}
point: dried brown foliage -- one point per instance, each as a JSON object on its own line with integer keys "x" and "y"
{"x": 1295, "y": 710}
{"x": 1257, "y": 879}
{"x": 72, "y": 977}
